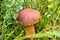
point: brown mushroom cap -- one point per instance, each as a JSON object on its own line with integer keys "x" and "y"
{"x": 29, "y": 16}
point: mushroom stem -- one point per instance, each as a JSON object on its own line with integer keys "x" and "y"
{"x": 30, "y": 30}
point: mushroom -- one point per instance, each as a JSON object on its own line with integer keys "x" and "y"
{"x": 29, "y": 17}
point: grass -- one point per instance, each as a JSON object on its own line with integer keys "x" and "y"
{"x": 10, "y": 29}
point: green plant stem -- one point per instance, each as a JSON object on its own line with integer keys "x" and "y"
{"x": 57, "y": 8}
{"x": 11, "y": 33}
{"x": 38, "y": 35}
{"x": 31, "y": 3}
{"x": 3, "y": 30}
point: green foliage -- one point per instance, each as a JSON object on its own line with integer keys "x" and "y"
{"x": 11, "y": 29}
{"x": 39, "y": 35}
